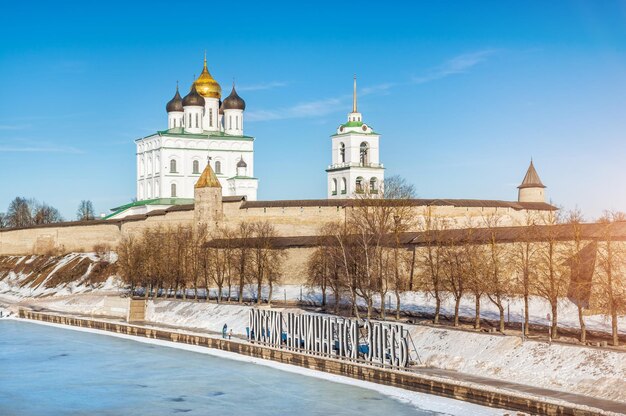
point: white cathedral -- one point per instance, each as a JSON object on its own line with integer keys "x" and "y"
{"x": 201, "y": 129}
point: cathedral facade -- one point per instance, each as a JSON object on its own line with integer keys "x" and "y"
{"x": 201, "y": 129}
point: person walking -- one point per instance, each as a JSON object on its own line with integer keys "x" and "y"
{"x": 224, "y": 329}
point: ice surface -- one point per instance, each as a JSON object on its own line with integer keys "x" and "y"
{"x": 60, "y": 371}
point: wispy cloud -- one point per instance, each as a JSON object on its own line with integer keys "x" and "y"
{"x": 29, "y": 145}
{"x": 301, "y": 110}
{"x": 457, "y": 65}
{"x": 40, "y": 149}
{"x": 263, "y": 86}
{"x": 12, "y": 126}
{"x": 377, "y": 89}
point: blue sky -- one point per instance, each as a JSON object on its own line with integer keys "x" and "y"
{"x": 463, "y": 93}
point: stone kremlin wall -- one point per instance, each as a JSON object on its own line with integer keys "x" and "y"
{"x": 290, "y": 218}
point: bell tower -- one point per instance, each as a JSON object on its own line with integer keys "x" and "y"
{"x": 355, "y": 168}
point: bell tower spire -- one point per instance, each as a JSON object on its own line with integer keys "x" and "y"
{"x": 354, "y": 110}
{"x": 354, "y": 116}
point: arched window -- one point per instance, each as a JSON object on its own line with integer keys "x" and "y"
{"x": 344, "y": 185}
{"x": 196, "y": 166}
{"x": 173, "y": 190}
{"x": 373, "y": 185}
{"x": 173, "y": 166}
{"x": 237, "y": 122}
{"x": 141, "y": 191}
{"x": 359, "y": 185}
{"x": 189, "y": 119}
{"x": 363, "y": 153}
{"x": 230, "y": 122}
{"x": 211, "y": 117}
{"x": 334, "y": 187}
{"x": 218, "y": 167}
{"x": 342, "y": 153}
{"x": 157, "y": 191}
{"x": 197, "y": 121}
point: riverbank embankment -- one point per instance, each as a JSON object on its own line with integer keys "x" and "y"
{"x": 431, "y": 384}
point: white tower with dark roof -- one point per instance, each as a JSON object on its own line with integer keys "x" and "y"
{"x": 355, "y": 168}
{"x": 531, "y": 189}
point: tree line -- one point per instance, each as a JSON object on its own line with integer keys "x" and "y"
{"x": 168, "y": 261}
{"x": 363, "y": 259}
{"x": 26, "y": 212}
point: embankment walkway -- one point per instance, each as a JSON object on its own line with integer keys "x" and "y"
{"x": 479, "y": 390}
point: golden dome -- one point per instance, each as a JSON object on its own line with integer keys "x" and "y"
{"x": 206, "y": 85}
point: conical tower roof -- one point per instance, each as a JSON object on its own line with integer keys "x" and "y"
{"x": 208, "y": 179}
{"x": 531, "y": 180}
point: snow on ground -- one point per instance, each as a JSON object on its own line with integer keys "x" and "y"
{"x": 420, "y": 302}
{"x": 594, "y": 372}
{"x": 207, "y": 316}
{"x": 574, "y": 369}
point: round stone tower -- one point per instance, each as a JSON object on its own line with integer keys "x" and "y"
{"x": 531, "y": 189}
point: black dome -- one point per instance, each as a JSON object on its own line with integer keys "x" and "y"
{"x": 234, "y": 101}
{"x": 175, "y": 104}
{"x": 193, "y": 98}
{"x": 242, "y": 163}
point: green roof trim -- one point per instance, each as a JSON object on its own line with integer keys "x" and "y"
{"x": 243, "y": 177}
{"x": 179, "y": 131}
{"x": 353, "y": 124}
{"x": 356, "y": 132}
{"x": 156, "y": 201}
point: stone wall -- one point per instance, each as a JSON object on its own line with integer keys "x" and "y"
{"x": 290, "y": 220}
{"x": 82, "y": 237}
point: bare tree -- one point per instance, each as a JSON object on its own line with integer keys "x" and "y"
{"x": 243, "y": 255}
{"x": 20, "y": 213}
{"x": 325, "y": 266}
{"x": 319, "y": 269}
{"x": 346, "y": 258}
{"x": 475, "y": 269}
{"x": 551, "y": 281}
{"x": 130, "y": 262}
{"x": 266, "y": 260}
{"x": 577, "y": 288}
{"x": 453, "y": 272}
{"x": 525, "y": 259}
{"x": 46, "y": 214}
{"x": 3, "y": 220}
{"x": 498, "y": 284}
{"x": 432, "y": 259}
{"x": 85, "y": 211}
{"x": 612, "y": 272}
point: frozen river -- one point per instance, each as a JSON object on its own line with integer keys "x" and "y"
{"x": 54, "y": 371}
